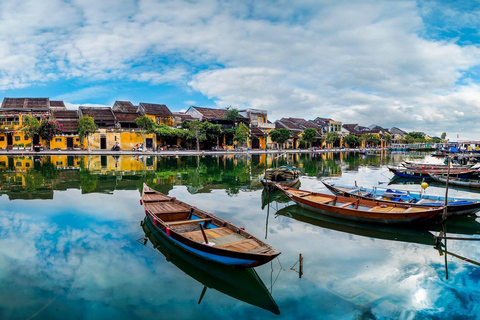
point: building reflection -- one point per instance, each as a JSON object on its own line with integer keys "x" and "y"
{"x": 37, "y": 177}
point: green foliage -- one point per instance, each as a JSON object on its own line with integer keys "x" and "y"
{"x": 232, "y": 114}
{"x": 166, "y": 131}
{"x": 310, "y": 136}
{"x": 145, "y": 124}
{"x": 413, "y": 137}
{"x": 387, "y": 138}
{"x": 443, "y": 136}
{"x": 195, "y": 131}
{"x": 280, "y": 135}
{"x": 86, "y": 126}
{"x": 331, "y": 137}
{"x": 212, "y": 131}
{"x": 352, "y": 140}
{"x": 371, "y": 138}
{"x": 241, "y": 133}
{"x": 31, "y": 126}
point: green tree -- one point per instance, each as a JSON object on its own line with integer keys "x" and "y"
{"x": 280, "y": 136}
{"x": 352, "y": 140}
{"x": 145, "y": 126}
{"x": 86, "y": 127}
{"x": 387, "y": 138}
{"x": 443, "y": 136}
{"x": 212, "y": 132}
{"x": 232, "y": 114}
{"x": 48, "y": 129}
{"x": 241, "y": 133}
{"x": 310, "y": 135}
{"x": 31, "y": 126}
{"x": 195, "y": 131}
{"x": 331, "y": 137}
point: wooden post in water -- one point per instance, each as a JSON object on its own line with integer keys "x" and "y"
{"x": 300, "y": 258}
{"x": 444, "y": 216}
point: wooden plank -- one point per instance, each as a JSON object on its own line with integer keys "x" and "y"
{"x": 166, "y": 207}
{"x": 346, "y": 204}
{"x": 241, "y": 246}
{"x": 173, "y": 223}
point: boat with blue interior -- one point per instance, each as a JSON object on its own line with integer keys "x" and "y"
{"x": 204, "y": 234}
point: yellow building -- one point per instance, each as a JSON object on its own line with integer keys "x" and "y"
{"x": 159, "y": 113}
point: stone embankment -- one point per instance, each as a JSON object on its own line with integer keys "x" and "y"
{"x": 177, "y": 152}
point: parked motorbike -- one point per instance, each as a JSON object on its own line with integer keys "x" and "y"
{"x": 139, "y": 148}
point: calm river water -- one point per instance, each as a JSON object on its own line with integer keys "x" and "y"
{"x": 72, "y": 247}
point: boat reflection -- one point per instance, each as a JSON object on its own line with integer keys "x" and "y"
{"x": 242, "y": 284}
{"x": 275, "y": 195}
{"x": 412, "y": 235}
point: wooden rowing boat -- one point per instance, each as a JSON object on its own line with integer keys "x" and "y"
{"x": 469, "y": 183}
{"x": 286, "y": 176}
{"x": 360, "y": 209}
{"x": 424, "y": 173}
{"x": 242, "y": 284}
{"x": 204, "y": 234}
{"x": 431, "y": 166}
{"x": 455, "y": 206}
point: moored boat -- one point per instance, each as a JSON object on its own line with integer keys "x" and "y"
{"x": 455, "y": 206}
{"x": 469, "y": 183}
{"x": 364, "y": 210}
{"x": 432, "y": 166}
{"x": 242, "y": 284}
{"x": 204, "y": 234}
{"x": 424, "y": 173}
{"x": 286, "y": 176}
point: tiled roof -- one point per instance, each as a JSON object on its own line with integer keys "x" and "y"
{"x": 256, "y": 131}
{"x": 288, "y": 124}
{"x": 210, "y": 113}
{"x": 69, "y": 126}
{"x": 182, "y": 115}
{"x": 27, "y": 104}
{"x": 58, "y": 105}
{"x": 97, "y": 113}
{"x": 125, "y": 117}
{"x": 155, "y": 109}
{"x": 125, "y": 106}
{"x": 65, "y": 114}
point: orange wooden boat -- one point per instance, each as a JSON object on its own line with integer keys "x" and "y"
{"x": 360, "y": 209}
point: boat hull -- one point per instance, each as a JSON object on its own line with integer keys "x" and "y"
{"x": 398, "y": 214}
{"x": 454, "y": 208}
{"x": 188, "y": 227}
{"x": 211, "y": 256}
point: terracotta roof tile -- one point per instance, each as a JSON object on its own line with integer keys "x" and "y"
{"x": 27, "y": 104}
{"x": 155, "y": 109}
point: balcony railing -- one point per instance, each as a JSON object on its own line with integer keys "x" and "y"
{"x": 9, "y": 124}
{"x": 264, "y": 125}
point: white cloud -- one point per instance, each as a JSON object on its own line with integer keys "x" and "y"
{"x": 361, "y": 62}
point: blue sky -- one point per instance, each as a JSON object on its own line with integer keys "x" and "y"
{"x": 410, "y": 64}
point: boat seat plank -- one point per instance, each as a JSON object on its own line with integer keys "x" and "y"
{"x": 155, "y": 197}
{"x": 242, "y": 246}
{"x": 212, "y": 234}
{"x": 166, "y": 207}
{"x": 173, "y": 223}
{"x": 219, "y": 232}
{"x": 346, "y": 204}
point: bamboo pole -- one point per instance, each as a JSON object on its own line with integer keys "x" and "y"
{"x": 444, "y": 216}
